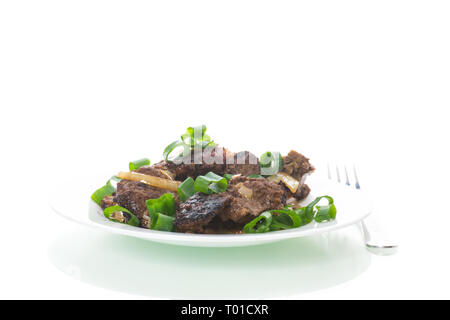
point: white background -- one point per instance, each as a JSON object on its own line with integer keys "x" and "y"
{"x": 90, "y": 85}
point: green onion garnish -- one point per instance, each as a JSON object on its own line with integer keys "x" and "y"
{"x": 210, "y": 183}
{"x": 270, "y": 163}
{"x": 228, "y": 176}
{"x": 186, "y": 189}
{"x": 190, "y": 136}
{"x": 114, "y": 180}
{"x": 163, "y": 222}
{"x": 260, "y": 224}
{"x": 301, "y": 212}
{"x": 288, "y": 217}
{"x": 255, "y": 176}
{"x": 161, "y": 208}
{"x": 107, "y": 190}
{"x": 194, "y": 136}
{"x": 121, "y": 215}
{"x": 323, "y": 213}
{"x": 285, "y": 219}
{"x": 170, "y": 148}
{"x": 134, "y": 165}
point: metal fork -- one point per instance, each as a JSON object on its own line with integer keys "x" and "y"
{"x": 374, "y": 239}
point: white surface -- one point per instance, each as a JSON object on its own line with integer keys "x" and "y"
{"x": 72, "y": 201}
{"x": 91, "y": 84}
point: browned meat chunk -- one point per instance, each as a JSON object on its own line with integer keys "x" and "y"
{"x": 132, "y": 195}
{"x": 245, "y": 199}
{"x": 107, "y": 201}
{"x": 152, "y": 171}
{"x": 218, "y": 160}
{"x": 199, "y": 210}
{"x": 302, "y": 192}
{"x": 211, "y": 159}
{"x": 251, "y": 196}
{"x": 297, "y": 165}
{"x": 244, "y": 163}
{"x": 179, "y": 171}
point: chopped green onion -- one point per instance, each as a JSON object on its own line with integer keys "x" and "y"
{"x": 210, "y": 183}
{"x": 285, "y": 219}
{"x": 134, "y": 165}
{"x": 324, "y": 213}
{"x": 207, "y": 143}
{"x": 260, "y": 224}
{"x": 196, "y": 136}
{"x": 114, "y": 180}
{"x": 186, "y": 189}
{"x": 189, "y": 140}
{"x": 288, "y": 217}
{"x": 164, "y": 204}
{"x": 255, "y": 176}
{"x": 170, "y": 148}
{"x": 161, "y": 208}
{"x": 107, "y": 190}
{"x": 310, "y": 211}
{"x": 301, "y": 212}
{"x": 163, "y": 222}
{"x": 228, "y": 176}
{"x": 270, "y": 163}
{"x": 121, "y": 215}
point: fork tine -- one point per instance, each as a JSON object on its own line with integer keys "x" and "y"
{"x": 347, "y": 181}
{"x": 338, "y": 175}
{"x": 357, "y": 186}
{"x": 329, "y": 171}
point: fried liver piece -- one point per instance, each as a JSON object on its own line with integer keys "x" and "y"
{"x": 211, "y": 159}
{"x": 302, "y": 192}
{"x": 244, "y": 163}
{"x": 107, "y": 201}
{"x": 297, "y": 165}
{"x": 218, "y": 160}
{"x": 133, "y": 195}
{"x": 196, "y": 214}
{"x": 244, "y": 200}
{"x": 251, "y": 197}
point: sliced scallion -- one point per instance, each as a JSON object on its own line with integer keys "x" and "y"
{"x": 170, "y": 148}
{"x": 289, "y": 217}
{"x": 301, "y": 212}
{"x": 107, "y": 190}
{"x": 270, "y": 163}
{"x": 186, "y": 189}
{"x": 163, "y": 222}
{"x": 121, "y": 215}
{"x": 161, "y": 208}
{"x": 260, "y": 224}
{"x": 324, "y": 213}
{"x": 255, "y": 176}
{"x": 210, "y": 183}
{"x": 194, "y": 136}
{"x": 114, "y": 180}
{"x": 285, "y": 219}
{"x": 195, "y": 133}
{"x": 134, "y": 165}
{"x": 228, "y": 176}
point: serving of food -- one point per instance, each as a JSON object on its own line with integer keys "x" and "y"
{"x": 202, "y": 188}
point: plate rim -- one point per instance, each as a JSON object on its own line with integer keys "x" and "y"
{"x": 214, "y": 239}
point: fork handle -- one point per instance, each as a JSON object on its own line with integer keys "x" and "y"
{"x": 375, "y": 239}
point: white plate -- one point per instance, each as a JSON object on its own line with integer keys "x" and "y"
{"x": 73, "y": 202}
